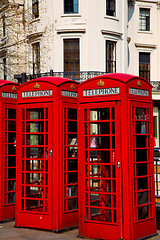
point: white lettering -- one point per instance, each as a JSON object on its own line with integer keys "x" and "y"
{"x": 103, "y": 91}
{"x": 43, "y": 93}
{"x": 139, "y": 92}
{"x": 69, "y": 94}
{"x": 9, "y": 95}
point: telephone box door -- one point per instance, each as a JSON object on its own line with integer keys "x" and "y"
{"x": 142, "y": 169}
{"x": 35, "y": 163}
{"x": 100, "y": 175}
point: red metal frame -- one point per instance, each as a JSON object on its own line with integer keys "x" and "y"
{"x": 8, "y": 98}
{"x": 44, "y": 108}
{"x": 128, "y": 212}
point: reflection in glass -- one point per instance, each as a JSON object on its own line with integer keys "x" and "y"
{"x": 35, "y": 113}
{"x": 35, "y": 127}
{"x": 35, "y": 152}
{"x": 99, "y": 114}
{"x": 99, "y": 128}
{"x": 35, "y": 139}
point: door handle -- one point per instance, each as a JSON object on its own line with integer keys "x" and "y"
{"x": 118, "y": 164}
{"x": 50, "y": 152}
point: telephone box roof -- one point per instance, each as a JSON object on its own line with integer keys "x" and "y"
{"x": 57, "y": 81}
{"x": 4, "y": 82}
{"x": 122, "y": 77}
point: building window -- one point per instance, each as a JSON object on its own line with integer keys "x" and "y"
{"x": 35, "y": 8}
{"x": 36, "y": 57}
{"x": 110, "y": 7}
{"x": 144, "y": 65}
{"x": 4, "y": 26}
{"x": 4, "y": 69}
{"x": 70, "y": 6}
{"x": 71, "y": 55}
{"x": 110, "y": 57}
{"x": 144, "y": 19}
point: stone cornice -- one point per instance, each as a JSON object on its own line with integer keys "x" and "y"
{"x": 117, "y": 34}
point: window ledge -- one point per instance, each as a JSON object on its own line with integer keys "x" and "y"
{"x": 71, "y": 15}
{"x": 142, "y": 45}
{"x": 34, "y": 20}
{"x": 145, "y": 32}
{"x": 111, "y": 18}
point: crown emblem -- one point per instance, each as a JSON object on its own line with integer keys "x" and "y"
{"x": 100, "y": 83}
{"x": 14, "y": 89}
{"x": 72, "y": 87}
{"x": 139, "y": 83}
{"x": 36, "y": 86}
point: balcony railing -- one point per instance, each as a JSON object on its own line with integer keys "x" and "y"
{"x": 77, "y": 76}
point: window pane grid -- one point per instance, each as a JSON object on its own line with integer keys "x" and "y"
{"x": 70, "y": 6}
{"x": 10, "y": 156}
{"x": 141, "y": 163}
{"x": 100, "y": 179}
{"x": 110, "y": 57}
{"x": 34, "y": 185}
{"x": 70, "y": 160}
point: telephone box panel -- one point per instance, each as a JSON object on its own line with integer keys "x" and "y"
{"x": 116, "y": 194}
{"x": 8, "y": 98}
{"x": 47, "y": 195}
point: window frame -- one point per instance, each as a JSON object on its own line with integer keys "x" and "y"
{"x": 111, "y": 11}
{"x": 111, "y": 59}
{"x": 145, "y": 72}
{"x": 35, "y": 8}
{"x": 144, "y": 20}
{"x": 72, "y": 51}
{"x": 36, "y": 57}
{"x": 74, "y": 5}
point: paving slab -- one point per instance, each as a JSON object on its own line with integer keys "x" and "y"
{"x": 9, "y": 232}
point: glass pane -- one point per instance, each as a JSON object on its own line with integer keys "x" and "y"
{"x": 142, "y": 183}
{"x": 141, "y": 155}
{"x": 72, "y": 165}
{"x": 99, "y": 128}
{"x": 141, "y": 141}
{"x": 35, "y": 113}
{"x": 11, "y": 137}
{"x": 99, "y": 114}
{"x": 72, "y": 177}
{"x": 142, "y": 198}
{"x": 72, "y": 191}
{"x": 72, "y": 113}
{"x": 143, "y": 212}
{"x": 140, "y": 113}
{"x": 142, "y": 169}
{"x": 35, "y": 127}
{"x": 35, "y": 139}
{"x": 11, "y": 173}
{"x": 100, "y": 156}
{"x": 35, "y": 152}
{"x": 72, "y": 126}
{"x": 11, "y": 113}
{"x": 100, "y": 142}
{"x": 11, "y": 126}
{"x": 72, "y": 204}
{"x": 37, "y": 165}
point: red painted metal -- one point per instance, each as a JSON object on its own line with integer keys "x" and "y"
{"x": 116, "y": 194}
{"x": 47, "y": 195}
{"x": 8, "y": 98}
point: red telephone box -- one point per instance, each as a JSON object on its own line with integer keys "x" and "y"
{"x": 8, "y": 98}
{"x": 47, "y": 175}
{"x": 116, "y": 194}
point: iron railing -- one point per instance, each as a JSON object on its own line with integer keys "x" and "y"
{"x": 77, "y": 76}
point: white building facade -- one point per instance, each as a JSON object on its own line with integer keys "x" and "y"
{"x": 81, "y": 38}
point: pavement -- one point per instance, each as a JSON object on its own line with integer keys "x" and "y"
{"x": 9, "y": 232}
